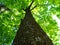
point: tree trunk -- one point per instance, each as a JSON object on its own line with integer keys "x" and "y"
{"x": 30, "y": 33}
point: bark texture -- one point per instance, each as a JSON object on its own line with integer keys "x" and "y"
{"x": 30, "y": 33}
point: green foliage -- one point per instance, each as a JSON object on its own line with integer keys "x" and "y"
{"x": 10, "y": 21}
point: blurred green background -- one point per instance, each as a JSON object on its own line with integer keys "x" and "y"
{"x": 46, "y": 14}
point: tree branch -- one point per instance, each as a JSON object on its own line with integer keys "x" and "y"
{"x": 31, "y": 4}
{"x": 34, "y": 7}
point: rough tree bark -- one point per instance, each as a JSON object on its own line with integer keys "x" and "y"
{"x": 30, "y": 33}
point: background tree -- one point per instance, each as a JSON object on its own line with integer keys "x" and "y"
{"x": 46, "y": 11}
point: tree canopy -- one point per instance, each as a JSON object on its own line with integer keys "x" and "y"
{"x": 46, "y": 14}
